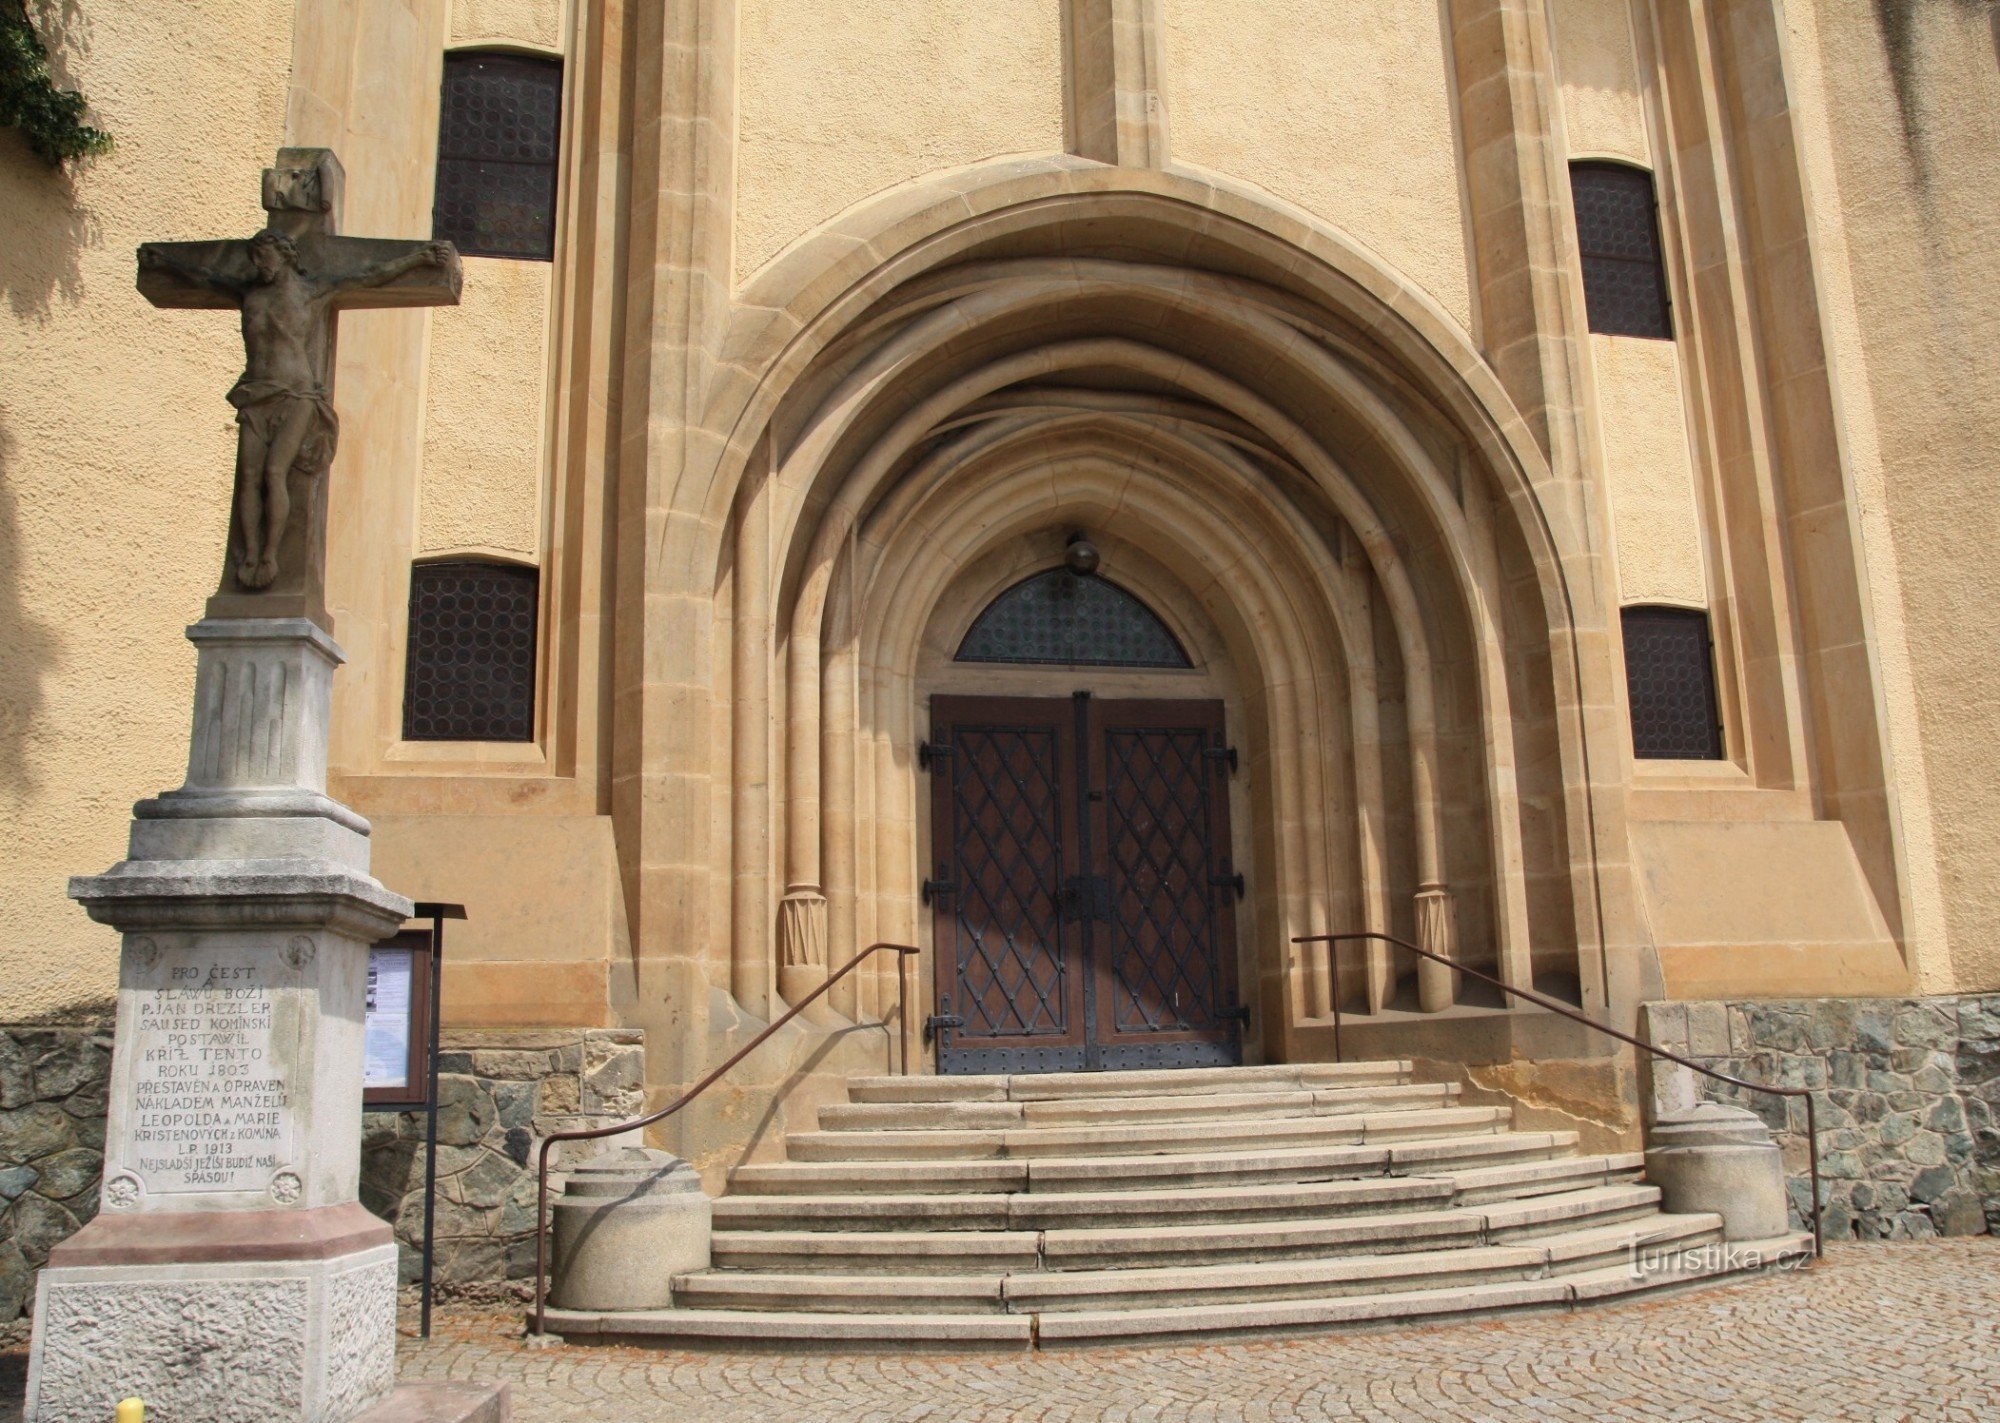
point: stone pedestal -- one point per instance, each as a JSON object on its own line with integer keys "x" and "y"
{"x": 1711, "y": 1157}
{"x": 231, "y": 1272}
{"x": 628, "y": 1221}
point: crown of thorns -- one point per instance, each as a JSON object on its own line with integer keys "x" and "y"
{"x": 271, "y": 237}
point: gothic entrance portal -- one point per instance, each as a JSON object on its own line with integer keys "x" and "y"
{"x": 1084, "y": 905}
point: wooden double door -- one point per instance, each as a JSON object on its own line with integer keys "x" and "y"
{"x": 1083, "y": 897}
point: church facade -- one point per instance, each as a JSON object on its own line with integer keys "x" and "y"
{"x": 1094, "y": 490}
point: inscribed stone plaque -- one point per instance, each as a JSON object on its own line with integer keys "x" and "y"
{"x": 211, "y": 1081}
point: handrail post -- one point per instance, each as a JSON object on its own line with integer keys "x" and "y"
{"x": 1333, "y": 942}
{"x": 1333, "y": 979}
{"x": 903, "y": 1007}
{"x": 903, "y": 953}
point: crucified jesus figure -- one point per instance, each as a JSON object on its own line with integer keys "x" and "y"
{"x": 284, "y": 410}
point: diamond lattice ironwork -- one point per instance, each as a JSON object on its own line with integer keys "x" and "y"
{"x": 1009, "y": 854}
{"x": 1162, "y": 931}
{"x": 1067, "y": 618}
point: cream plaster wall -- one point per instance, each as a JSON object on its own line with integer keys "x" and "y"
{"x": 1597, "y": 71}
{"x": 1344, "y": 109}
{"x": 116, "y": 450}
{"x": 485, "y": 415}
{"x": 840, "y": 101}
{"x": 1649, "y": 472}
{"x": 529, "y": 22}
{"x": 1903, "y": 124}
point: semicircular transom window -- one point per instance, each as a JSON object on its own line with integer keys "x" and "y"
{"x": 1063, "y": 617}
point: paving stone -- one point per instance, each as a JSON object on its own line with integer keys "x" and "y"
{"x": 1775, "y": 1347}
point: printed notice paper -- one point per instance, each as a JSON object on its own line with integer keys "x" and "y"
{"x": 389, "y": 1029}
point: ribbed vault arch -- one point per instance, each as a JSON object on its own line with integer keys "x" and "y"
{"x": 1345, "y": 489}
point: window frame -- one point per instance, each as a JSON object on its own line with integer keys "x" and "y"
{"x": 1601, "y": 308}
{"x": 1662, "y": 614}
{"x": 531, "y": 675}
{"x": 471, "y": 246}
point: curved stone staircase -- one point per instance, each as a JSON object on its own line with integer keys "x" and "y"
{"x": 1080, "y": 1208}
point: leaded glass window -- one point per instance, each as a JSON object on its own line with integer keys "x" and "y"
{"x": 1670, "y": 677}
{"x": 470, "y": 674}
{"x": 1618, "y": 232}
{"x": 1073, "y": 619}
{"x": 499, "y": 134}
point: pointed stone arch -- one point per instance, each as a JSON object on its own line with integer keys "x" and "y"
{"x": 1153, "y": 311}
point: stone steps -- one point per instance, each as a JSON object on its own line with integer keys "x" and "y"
{"x": 1183, "y": 1205}
{"x": 1240, "y": 1132}
{"x": 935, "y": 1328}
{"x": 1036, "y": 1291}
{"x": 1046, "y": 1086}
{"x": 1084, "y": 1173}
{"x": 1012, "y": 1212}
{"x": 920, "y": 1250}
{"x": 1126, "y": 1111}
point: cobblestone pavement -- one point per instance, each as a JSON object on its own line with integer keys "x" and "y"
{"x": 1902, "y": 1333}
{"x": 1879, "y": 1333}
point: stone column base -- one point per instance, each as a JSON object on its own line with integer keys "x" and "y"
{"x": 219, "y": 1317}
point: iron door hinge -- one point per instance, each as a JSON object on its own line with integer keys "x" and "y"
{"x": 1236, "y": 1013}
{"x": 1229, "y": 879}
{"x": 938, "y": 1024}
{"x": 1225, "y": 755}
{"x": 929, "y": 753}
{"x": 939, "y": 887}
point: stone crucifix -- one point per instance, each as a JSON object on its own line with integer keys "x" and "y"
{"x": 290, "y": 282}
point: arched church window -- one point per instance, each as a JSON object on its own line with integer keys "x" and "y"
{"x": 1618, "y": 231}
{"x": 1670, "y": 677}
{"x": 470, "y": 673}
{"x": 1077, "y": 620}
{"x": 499, "y": 134}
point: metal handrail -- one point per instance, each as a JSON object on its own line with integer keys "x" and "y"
{"x": 1334, "y": 941}
{"x": 903, "y": 954}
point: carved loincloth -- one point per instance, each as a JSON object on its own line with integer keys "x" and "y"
{"x": 265, "y": 405}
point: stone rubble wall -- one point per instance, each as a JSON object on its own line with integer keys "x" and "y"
{"x": 500, "y": 1092}
{"x": 53, "y": 1085}
{"x": 1909, "y": 1114}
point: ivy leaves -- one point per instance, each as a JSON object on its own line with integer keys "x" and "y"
{"x": 50, "y": 119}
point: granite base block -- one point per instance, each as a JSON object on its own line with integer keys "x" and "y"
{"x": 216, "y": 1342}
{"x": 442, "y": 1403}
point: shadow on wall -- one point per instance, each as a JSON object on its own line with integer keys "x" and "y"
{"x": 1898, "y": 22}
{"x": 28, "y": 647}
{"x": 46, "y": 227}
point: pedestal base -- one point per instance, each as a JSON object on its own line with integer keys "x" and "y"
{"x": 218, "y": 1317}
{"x": 442, "y": 1403}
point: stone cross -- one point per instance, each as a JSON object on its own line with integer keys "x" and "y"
{"x": 290, "y": 282}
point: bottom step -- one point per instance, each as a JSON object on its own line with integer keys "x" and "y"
{"x": 748, "y": 1330}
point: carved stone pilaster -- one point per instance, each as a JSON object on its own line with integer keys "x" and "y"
{"x": 802, "y": 946}
{"x": 1437, "y": 933}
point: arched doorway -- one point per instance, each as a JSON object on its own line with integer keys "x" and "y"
{"x": 1334, "y": 489}
{"x": 1084, "y": 887}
